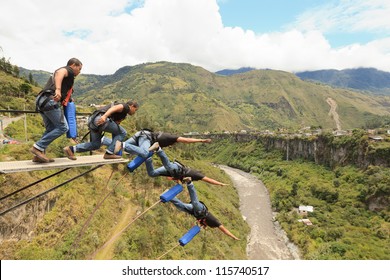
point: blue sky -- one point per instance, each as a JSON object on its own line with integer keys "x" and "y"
{"x": 262, "y": 16}
{"x": 288, "y": 35}
{"x": 280, "y": 15}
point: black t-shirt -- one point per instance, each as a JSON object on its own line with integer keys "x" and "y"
{"x": 66, "y": 85}
{"x": 121, "y": 115}
{"x": 212, "y": 221}
{"x": 118, "y": 116}
{"x": 166, "y": 139}
{"x": 195, "y": 175}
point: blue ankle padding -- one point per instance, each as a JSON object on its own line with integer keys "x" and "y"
{"x": 171, "y": 193}
{"x": 189, "y": 235}
{"x": 137, "y": 161}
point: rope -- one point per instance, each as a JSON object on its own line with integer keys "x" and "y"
{"x": 49, "y": 190}
{"x": 168, "y": 251}
{"x": 81, "y": 233}
{"x": 32, "y": 184}
{"x": 121, "y": 231}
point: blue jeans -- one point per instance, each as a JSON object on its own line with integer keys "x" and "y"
{"x": 142, "y": 149}
{"x": 55, "y": 124}
{"x": 194, "y": 207}
{"x": 131, "y": 147}
{"x": 118, "y": 133}
{"x": 168, "y": 166}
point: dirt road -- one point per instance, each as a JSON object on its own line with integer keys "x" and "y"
{"x": 333, "y": 112}
{"x": 5, "y": 121}
{"x": 266, "y": 240}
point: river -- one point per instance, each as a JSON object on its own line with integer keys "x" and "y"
{"x": 266, "y": 241}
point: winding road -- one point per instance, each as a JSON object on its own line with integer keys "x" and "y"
{"x": 266, "y": 241}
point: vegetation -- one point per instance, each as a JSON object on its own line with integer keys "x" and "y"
{"x": 351, "y": 218}
{"x": 351, "y": 206}
{"x": 54, "y": 231}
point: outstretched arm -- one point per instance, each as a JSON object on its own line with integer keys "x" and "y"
{"x": 192, "y": 140}
{"x": 212, "y": 181}
{"x": 227, "y": 232}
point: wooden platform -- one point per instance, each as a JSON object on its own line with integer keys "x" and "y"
{"x": 28, "y": 165}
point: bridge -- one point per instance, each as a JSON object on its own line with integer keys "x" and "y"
{"x": 63, "y": 162}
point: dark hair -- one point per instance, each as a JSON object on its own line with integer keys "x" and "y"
{"x": 74, "y": 61}
{"x": 133, "y": 103}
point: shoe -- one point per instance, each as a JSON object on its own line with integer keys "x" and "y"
{"x": 68, "y": 152}
{"x": 154, "y": 147}
{"x": 118, "y": 147}
{"x": 111, "y": 156}
{"x": 39, "y": 155}
{"x": 38, "y": 160}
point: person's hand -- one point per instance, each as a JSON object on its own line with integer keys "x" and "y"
{"x": 102, "y": 120}
{"x": 186, "y": 180}
{"x": 206, "y": 140}
{"x": 57, "y": 95}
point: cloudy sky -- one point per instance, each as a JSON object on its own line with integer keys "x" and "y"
{"x": 214, "y": 34}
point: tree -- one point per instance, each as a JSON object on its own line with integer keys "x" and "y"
{"x": 25, "y": 88}
{"x": 30, "y": 78}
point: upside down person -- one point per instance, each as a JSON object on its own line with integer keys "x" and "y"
{"x": 141, "y": 141}
{"x": 174, "y": 170}
{"x": 199, "y": 210}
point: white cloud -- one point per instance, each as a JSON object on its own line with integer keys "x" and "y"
{"x": 347, "y": 16}
{"x": 45, "y": 34}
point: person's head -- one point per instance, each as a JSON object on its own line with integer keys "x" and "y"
{"x": 133, "y": 105}
{"x": 76, "y": 65}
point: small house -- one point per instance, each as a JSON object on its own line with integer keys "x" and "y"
{"x": 304, "y": 209}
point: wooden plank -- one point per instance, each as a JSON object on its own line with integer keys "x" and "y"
{"x": 28, "y": 165}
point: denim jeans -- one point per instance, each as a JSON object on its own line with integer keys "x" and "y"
{"x": 194, "y": 207}
{"x": 142, "y": 149}
{"x": 118, "y": 133}
{"x": 55, "y": 124}
{"x": 131, "y": 147}
{"x": 168, "y": 166}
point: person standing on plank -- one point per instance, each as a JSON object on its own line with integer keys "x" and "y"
{"x": 57, "y": 91}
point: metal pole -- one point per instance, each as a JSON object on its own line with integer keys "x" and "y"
{"x": 25, "y": 123}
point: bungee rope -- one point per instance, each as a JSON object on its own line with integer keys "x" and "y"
{"x": 87, "y": 222}
{"x": 165, "y": 197}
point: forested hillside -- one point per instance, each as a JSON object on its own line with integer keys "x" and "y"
{"x": 182, "y": 97}
{"x": 351, "y": 217}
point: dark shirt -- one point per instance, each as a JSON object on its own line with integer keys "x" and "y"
{"x": 119, "y": 116}
{"x": 185, "y": 172}
{"x": 66, "y": 85}
{"x": 212, "y": 221}
{"x": 195, "y": 175}
{"x": 166, "y": 139}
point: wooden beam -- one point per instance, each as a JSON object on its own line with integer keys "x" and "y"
{"x": 28, "y": 165}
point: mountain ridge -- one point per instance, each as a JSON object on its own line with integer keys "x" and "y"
{"x": 183, "y": 97}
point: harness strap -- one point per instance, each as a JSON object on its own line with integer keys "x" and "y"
{"x": 67, "y": 98}
{"x": 46, "y": 94}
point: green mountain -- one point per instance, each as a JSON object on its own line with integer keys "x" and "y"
{"x": 363, "y": 79}
{"x": 183, "y": 97}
